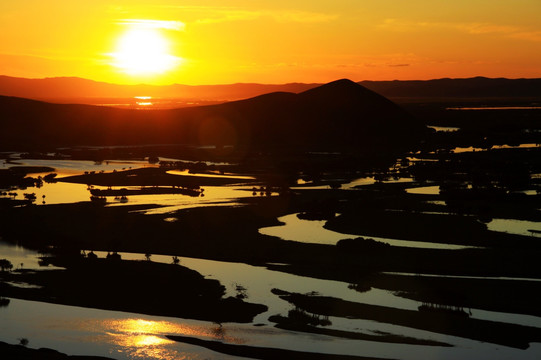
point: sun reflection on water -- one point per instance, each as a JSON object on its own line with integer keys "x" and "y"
{"x": 138, "y": 340}
{"x": 146, "y": 327}
{"x": 143, "y": 339}
{"x": 144, "y": 103}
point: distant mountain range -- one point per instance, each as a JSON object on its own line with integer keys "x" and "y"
{"x": 79, "y": 90}
{"x": 477, "y": 87}
{"x": 341, "y": 115}
{"x": 69, "y": 88}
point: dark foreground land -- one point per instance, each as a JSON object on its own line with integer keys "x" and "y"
{"x": 19, "y": 352}
{"x": 134, "y": 286}
{"x": 450, "y": 323}
{"x": 231, "y": 234}
{"x": 492, "y": 182}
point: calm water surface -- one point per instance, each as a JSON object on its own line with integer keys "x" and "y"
{"x": 122, "y": 335}
{"x": 424, "y": 190}
{"x": 66, "y": 193}
{"x": 312, "y": 231}
{"x": 520, "y": 227}
{"x": 444, "y": 128}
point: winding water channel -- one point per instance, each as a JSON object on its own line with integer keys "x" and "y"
{"x": 121, "y": 335}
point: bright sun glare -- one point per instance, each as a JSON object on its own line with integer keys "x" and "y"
{"x": 144, "y": 51}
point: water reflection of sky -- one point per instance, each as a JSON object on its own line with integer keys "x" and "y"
{"x": 520, "y": 227}
{"x": 444, "y": 128}
{"x": 220, "y": 176}
{"x": 19, "y": 255}
{"x": 424, "y": 190}
{"x": 76, "y": 330}
{"x": 84, "y": 331}
{"x": 212, "y": 195}
{"x": 307, "y": 231}
{"x": 312, "y": 231}
{"x": 351, "y": 185}
{"x": 121, "y": 335}
{"x": 457, "y": 149}
{"x": 56, "y": 193}
{"x": 66, "y": 193}
{"x": 79, "y": 166}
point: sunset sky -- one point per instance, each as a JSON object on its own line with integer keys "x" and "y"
{"x": 217, "y": 42}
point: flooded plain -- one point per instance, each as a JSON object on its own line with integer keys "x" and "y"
{"x": 122, "y": 335}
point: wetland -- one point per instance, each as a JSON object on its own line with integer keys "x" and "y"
{"x": 205, "y": 254}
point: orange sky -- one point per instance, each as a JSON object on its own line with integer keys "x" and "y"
{"x": 216, "y": 42}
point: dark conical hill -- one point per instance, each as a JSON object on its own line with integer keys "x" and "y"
{"x": 340, "y": 115}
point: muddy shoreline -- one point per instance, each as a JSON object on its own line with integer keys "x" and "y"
{"x": 19, "y": 352}
{"x": 135, "y": 286}
{"x": 264, "y": 353}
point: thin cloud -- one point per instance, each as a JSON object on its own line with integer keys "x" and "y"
{"x": 212, "y": 15}
{"x": 513, "y": 32}
{"x": 507, "y": 31}
{"x": 302, "y": 16}
{"x": 229, "y": 15}
{"x": 527, "y": 35}
{"x": 154, "y": 24}
{"x": 484, "y": 28}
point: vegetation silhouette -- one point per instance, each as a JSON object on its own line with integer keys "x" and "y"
{"x": 256, "y": 352}
{"x": 138, "y": 286}
{"x": 5, "y": 265}
{"x": 440, "y": 322}
{"x": 4, "y": 302}
{"x": 20, "y": 352}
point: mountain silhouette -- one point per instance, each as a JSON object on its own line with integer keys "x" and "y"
{"x": 476, "y": 87}
{"x": 68, "y": 89}
{"x": 341, "y": 115}
{"x": 72, "y": 89}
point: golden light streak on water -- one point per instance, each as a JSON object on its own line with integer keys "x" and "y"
{"x": 138, "y": 340}
{"x": 150, "y": 327}
{"x": 144, "y": 339}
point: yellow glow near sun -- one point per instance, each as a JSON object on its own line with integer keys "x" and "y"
{"x": 144, "y": 51}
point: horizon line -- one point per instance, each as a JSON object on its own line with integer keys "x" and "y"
{"x": 265, "y": 84}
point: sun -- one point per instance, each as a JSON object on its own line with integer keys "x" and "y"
{"x": 144, "y": 51}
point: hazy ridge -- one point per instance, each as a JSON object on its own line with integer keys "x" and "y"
{"x": 69, "y": 89}
{"x": 338, "y": 115}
